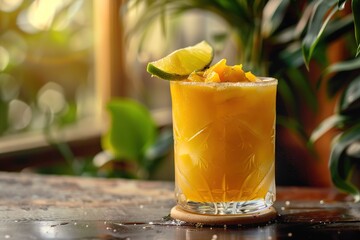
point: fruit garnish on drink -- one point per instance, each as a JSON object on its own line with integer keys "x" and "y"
{"x": 179, "y": 64}
{"x": 224, "y": 131}
{"x": 220, "y": 72}
{"x": 193, "y": 64}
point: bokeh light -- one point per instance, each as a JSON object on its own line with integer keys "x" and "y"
{"x": 4, "y": 58}
{"x": 16, "y": 46}
{"x": 9, "y": 5}
{"x": 40, "y": 15}
{"x": 65, "y": 18}
{"x": 51, "y": 98}
{"x": 46, "y": 63}
{"x": 19, "y": 115}
{"x": 81, "y": 40}
{"x": 9, "y": 87}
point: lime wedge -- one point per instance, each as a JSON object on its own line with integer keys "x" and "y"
{"x": 179, "y": 64}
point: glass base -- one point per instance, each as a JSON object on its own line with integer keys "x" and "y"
{"x": 228, "y": 208}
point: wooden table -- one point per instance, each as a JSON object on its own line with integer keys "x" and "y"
{"x": 57, "y": 207}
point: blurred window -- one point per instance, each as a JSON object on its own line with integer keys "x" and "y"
{"x": 46, "y": 65}
{"x": 61, "y": 61}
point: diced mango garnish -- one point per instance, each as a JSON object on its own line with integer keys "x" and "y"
{"x": 250, "y": 76}
{"x": 220, "y": 72}
{"x": 213, "y": 77}
{"x": 219, "y": 67}
{"x": 196, "y": 77}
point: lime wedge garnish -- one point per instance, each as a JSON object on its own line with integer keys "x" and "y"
{"x": 179, "y": 64}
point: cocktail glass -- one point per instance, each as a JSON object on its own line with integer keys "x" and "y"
{"x": 224, "y": 141}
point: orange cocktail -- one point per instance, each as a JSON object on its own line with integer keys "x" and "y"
{"x": 224, "y": 137}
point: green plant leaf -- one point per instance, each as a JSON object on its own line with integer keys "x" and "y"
{"x": 354, "y": 150}
{"x": 340, "y": 175}
{"x": 343, "y": 66}
{"x": 350, "y": 99}
{"x": 337, "y": 29}
{"x": 273, "y": 15}
{"x": 338, "y": 82}
{"x": 132, "y": 129}
{"x": 318, "y": 21}
{"x": 304, "y": 19}
{"x": 355, "y": 5}
{"x": 343, "y": 75}
{"x": 327, "y": 124}
{"x": 69, "y": 116}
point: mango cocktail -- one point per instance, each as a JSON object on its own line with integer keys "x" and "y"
{"x": 224, "y": 133}
{"x": 224, "y": 136}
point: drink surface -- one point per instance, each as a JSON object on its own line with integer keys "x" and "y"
{"x": 224, "y": 137}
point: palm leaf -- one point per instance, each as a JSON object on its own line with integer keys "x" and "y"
{"x": 273, "y": 15}
{"x": 355, "y": 8}
{"x": 350, "y": 99}
{"x": 338, "y": 158}
{"x": 342, "y": 73}
{"x": 343, "y": 66}
{"x": 318, "y": 21}
{"x": 326, "y": 125}
{"x": 336, "y": 29}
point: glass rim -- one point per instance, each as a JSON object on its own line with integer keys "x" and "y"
{"x": 265, "y": 81}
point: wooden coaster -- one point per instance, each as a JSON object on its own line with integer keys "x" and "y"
{"x": 263, "y": 216}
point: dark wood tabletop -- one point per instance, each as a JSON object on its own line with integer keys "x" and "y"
{"x": 57, "y": 207}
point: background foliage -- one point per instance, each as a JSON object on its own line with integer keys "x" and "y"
{"x": 343, "y": 80}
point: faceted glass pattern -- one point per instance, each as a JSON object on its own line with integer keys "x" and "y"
{"x": 224, "y": 136}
